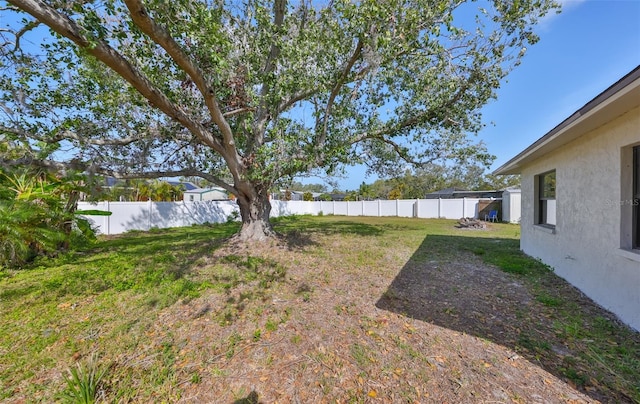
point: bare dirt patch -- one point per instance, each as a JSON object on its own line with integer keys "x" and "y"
{"x": 345, "y": 327}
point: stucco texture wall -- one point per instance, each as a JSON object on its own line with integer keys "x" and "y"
{"x": 585, "y": 246}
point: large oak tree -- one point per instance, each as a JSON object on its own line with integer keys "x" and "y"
{"x": 245, "y": 93}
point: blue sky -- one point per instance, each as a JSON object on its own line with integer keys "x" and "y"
{"x": 581, "y": 52}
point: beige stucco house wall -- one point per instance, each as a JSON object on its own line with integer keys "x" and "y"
{"x": 591, "y": 242}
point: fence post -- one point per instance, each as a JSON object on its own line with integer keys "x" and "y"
{"x": 464, "y": 203}
{"x": 379, "y": 207}
{"x": 439, "y": 207}
{"x": 107, "y": 219}
{"x": 397, "y": 207}
{"x": 149, "y": 208}
{"x": 416, "y": 211}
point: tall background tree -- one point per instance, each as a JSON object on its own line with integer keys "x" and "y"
{"x": 245, "y": 94}
{"x": 416, "y": 184}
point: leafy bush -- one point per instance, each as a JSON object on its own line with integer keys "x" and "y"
{"x": 37, "y": 218}
{"x": 233, "y": 216}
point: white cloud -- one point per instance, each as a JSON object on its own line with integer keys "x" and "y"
{"x": 567, "y": 5}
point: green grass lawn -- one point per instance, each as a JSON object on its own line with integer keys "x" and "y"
{"x": 58, "y": 309}
{"x": 92, "y": 308}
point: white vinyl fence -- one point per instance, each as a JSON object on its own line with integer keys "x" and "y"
{"x": 127, "y": 216}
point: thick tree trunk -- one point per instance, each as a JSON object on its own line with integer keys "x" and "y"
{"x": 254, "y": 211}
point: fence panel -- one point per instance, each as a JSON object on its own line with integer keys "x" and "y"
{"x": 298, "y": 207}
{"x": 451, "y": 208}
{"x": 327, "y": 207}
{"x": 101, "y": 223}
{"x": 284, "y": 208}
{"x": 405, "y": 207}
{"x": 168, "y": 214}
{"x": 371, "y": 208}
{"x": 279, "y": 208}
{"x": 145, "y": 215}
{"x": 511, "y": 205}
{"x": 129, "y": 216}
{"x": 207, "y": 212}
{"x": 428, "y": 208}
{"x": 341, "y": 208}
{"x": 470, "y": 207}
{"x": 388, "y": 208}
{"x": 355, "y": 208}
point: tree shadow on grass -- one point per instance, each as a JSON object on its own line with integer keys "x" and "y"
{"x": 521, "y": 305}
{"x": 296, "y": 232}
{"x": 158, "y": 261}
{"x": 335, "y": 225}
{"x": 144, "y": 259}
{"x": 135, "y": 242}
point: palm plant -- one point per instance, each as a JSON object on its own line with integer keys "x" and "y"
{"x": 14, "y": 245}
{"x": 36, "y": 216}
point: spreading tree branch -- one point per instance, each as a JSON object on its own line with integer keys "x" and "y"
{"x": 70, "y": 135}
{"x": 162, "y": 37}
{"x": 411, "y": 121}
{"x": 262, "y": 113}
{"x": 77, "y": 165}
{"x": 336, "y": 90}
{"x": 20, "y": 33}
{"x": 101, "y": 50}
{"x": 296, "y": 97}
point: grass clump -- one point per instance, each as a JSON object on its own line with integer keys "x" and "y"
{"x": 548, "y": 300}
{"x": 265, "y": 271}
{"x": 84, "y": 383}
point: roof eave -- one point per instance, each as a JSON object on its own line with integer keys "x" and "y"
{"x": 619, "y": 98}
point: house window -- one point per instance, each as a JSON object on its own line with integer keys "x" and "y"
{"x": 546, "y": 199}
{"x": 635, "y": 200}
{"x": 629, "y": 202}
{"x": 191, "y": 198}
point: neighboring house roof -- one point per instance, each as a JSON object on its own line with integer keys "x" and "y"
{"x": 204, "y": 190}
{"x": 449, "y": 193}
{"x": 338, "y": 196}
{"x": 313, "y": 194}
{"x": 446, "y": 191}
{"x": 621, "y": 97}
{"x": 188, "y": 186}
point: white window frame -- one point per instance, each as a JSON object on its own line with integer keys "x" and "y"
{"x": 635, "y": 200}
{"x": 629, "y": 202}
{"x": 542, "y": 201}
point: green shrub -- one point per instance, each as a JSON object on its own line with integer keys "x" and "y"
{"x": 37, "y": 218}
{"x": 233, "y": 216}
